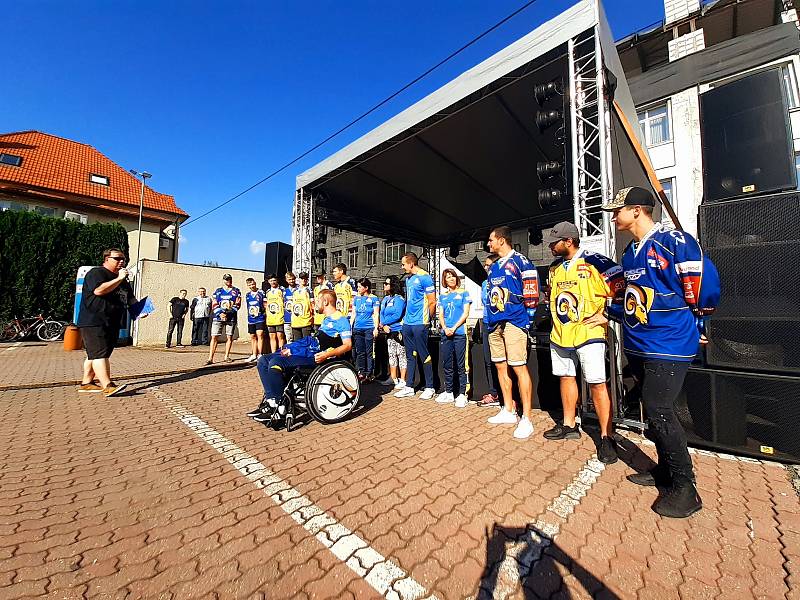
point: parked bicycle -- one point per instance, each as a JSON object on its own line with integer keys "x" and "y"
{"x": 45, "y": 328}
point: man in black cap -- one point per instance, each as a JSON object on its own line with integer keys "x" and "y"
{"x": 225, "y": 304}
{"x": 660, "y": 313}
{"x": 580, "y": 285}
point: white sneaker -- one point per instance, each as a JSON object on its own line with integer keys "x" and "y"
{"x": 404, "y": 392}
{"x": 427, "y": 394}
{"x": 399, "y": 384}
{"x": 524, "y": 429}
{"x": 252, "y": 358}
{"x": 504, "y": 417}
{"x": 461, "y": 401}
{"x": 444, "y": 398}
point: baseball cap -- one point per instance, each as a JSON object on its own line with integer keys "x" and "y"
{"x": 631, "y": 196}
{"x": 303, "y": 275}
{"x": 562, "y": 230}
{"x": 227, "y": 276}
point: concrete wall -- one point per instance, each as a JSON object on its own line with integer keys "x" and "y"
{"x": 161, "y": 281}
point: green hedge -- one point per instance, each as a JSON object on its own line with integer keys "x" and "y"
{"x": 39, "y": 259}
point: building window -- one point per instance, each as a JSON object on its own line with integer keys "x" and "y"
{"x": 73, "y": 216}
{"x": 372, "y": 255}
{"x": 4, "y": 206}
{"x": 655, "y": 124}
{"x": 45, "y": 210}
{"x": 352, "y": 258}
{"x": 669, "y": 192}
{"x": 101, "y": 179}
{"x": 393, "y": 252}
{"x": 336, "y": 257}
{"x": 10, "y": 159}
{"x": 337, "y": 231}
{"x": 323, "y": 265}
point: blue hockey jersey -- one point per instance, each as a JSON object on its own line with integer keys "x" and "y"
{"x": 667, "y": 292}
{"x": 513, "y": 292}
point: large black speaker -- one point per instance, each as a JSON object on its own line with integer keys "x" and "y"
{"x": 746, "y": 413}
{"x": 747, "y": 138}
{"x": 755, "y": 244}
{"x": 278, "y": 260}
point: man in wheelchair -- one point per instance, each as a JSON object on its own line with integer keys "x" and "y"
{"x": 332, "y": 340}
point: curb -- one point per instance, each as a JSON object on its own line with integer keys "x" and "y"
{"x": 52, "y": 384}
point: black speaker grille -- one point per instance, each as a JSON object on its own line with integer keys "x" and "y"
{"x": 745, "y": 413}
{"x": 755, "y": 244}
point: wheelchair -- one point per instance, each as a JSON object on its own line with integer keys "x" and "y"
{"x": 328, "y": 392}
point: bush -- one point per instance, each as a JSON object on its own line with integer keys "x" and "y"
{"x": 39, "y": 260}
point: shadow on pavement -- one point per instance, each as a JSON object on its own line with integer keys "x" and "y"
{"x": 529, "y": 558}
{"x": 143, "y": 386}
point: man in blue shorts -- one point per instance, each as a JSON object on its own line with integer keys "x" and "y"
{"x": 334, "y": 339}
{"x": 420, "y": 309}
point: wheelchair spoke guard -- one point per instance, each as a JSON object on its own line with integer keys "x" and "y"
{"x": 332, "y": 392}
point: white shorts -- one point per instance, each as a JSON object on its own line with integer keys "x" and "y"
{"x": 591, "y": 356}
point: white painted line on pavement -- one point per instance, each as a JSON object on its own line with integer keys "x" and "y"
{"x": 526, "y": 550}
{"x": 382, "y": 574}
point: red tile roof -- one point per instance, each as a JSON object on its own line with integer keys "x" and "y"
{"x": 55, "y": 163}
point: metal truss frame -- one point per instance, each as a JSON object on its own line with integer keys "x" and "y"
{"x": 303, "y": 232}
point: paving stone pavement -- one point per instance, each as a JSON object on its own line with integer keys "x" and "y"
{"x": 27, "y": 364}
{"x": 119, "y": 498}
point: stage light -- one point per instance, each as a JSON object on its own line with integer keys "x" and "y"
{"x": 547, "y": 118}
{"x": 535, "y": 237}
{"x": 545, "y": 170}
{"x": 320, "y": 234}
{"x": 322, "y": 254}
{"x": 544, "y": 91}
{"x": 549, "y": 197}
{"x": 453, "y": 251}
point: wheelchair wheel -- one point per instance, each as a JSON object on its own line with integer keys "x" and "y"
{"x": 332, "y": 392}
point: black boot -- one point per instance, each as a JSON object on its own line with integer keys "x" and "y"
{"x": 680, "y": 502}
{"x": 657, "y": 477}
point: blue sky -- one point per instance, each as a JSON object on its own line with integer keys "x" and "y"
{"x": 212, "y": 96}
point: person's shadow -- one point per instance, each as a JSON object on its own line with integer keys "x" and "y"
{"x": 528, "y": 557}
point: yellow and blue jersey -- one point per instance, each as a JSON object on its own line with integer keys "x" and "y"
{"x": 418, "y": 286}
{"x": 319, "y": 317}
{"x": 345, "y": 290}
{"x": 255, "y": 307}
{"x": 301, "y": 311}
{"x": 513, "y": 291}
{"x": 287, "y": 303}
{"x": 452, "y": 304}
{"x": 579, "y": 289}
{"x": 364, "y": 307}
{"x": 274, "y": 298}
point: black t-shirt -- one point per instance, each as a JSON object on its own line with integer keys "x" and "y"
{"x": 179, "y": 307}
{"x": 106, "y": 310}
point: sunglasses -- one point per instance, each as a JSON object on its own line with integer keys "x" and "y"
{"x": 117, "y": 258}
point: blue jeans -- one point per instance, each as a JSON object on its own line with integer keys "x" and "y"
{"x": 272, "y": 370}
{"x": 487, "y": 360}
{"x": 453, "y": 356}
{"x": 415, "y": 339}
{"x": 365, "y": 351}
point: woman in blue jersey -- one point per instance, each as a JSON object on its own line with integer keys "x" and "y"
{"x": 393, "y": 306}
{"x": 453, "y": 307}
{"x": 364, "y": 318}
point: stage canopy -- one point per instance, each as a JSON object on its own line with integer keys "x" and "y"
{"x": 463, "y": 160}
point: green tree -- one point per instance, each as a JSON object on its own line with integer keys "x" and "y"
{"x": 39, "y": 259}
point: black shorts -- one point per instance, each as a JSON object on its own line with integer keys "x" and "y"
{"x": 253, "y": 327}
{"x": 275, "y": 328}
{"x": 299, "y": 333}
{"x": 99, "y": 341}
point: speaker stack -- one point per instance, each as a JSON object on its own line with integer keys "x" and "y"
{"x": 278, "y": 261}
{"x": 745, "y": 398}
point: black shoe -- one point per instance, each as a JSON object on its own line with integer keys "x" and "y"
{"x": 256, "y": 412}
{"x": 607, "y": 452}
{"x": 563, "y": 432}
{"x": 657, "y": 477}
{"x": 263, "y": 417}
{"x": 680, "y": 502}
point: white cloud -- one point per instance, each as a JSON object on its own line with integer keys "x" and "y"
{"x": 257, "y": 247}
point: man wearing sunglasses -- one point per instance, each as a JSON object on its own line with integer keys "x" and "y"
{"x": 106, "y": 296}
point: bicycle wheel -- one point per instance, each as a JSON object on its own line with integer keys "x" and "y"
{"x": 9, "y": 332}
{"x": 49, "y": 331}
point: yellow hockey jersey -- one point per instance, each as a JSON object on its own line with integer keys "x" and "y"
{"x": 275, "y": 300}
{"x": 302, "y": 313}
{"x": 579, "y": 288}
